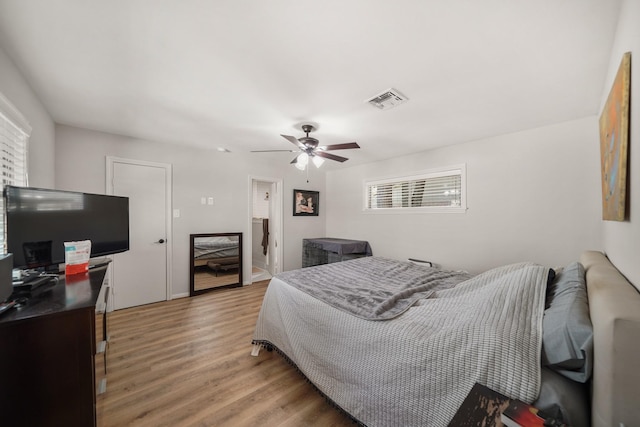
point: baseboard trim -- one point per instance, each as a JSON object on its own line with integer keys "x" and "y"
{"x": 180, "y": 295}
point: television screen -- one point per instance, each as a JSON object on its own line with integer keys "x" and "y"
{"x": 39, "y": 221}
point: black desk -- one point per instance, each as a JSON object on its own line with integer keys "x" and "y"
{"x": 326, "y": 250}
{"x": 47, "y": 354}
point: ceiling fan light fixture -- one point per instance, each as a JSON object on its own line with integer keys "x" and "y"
{"x": 310, "y": 147}
{"x": 303, "y": 159}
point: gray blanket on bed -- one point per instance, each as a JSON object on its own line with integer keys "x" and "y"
{"x": 372, "y": 288}
{"x": 416, "y": 369}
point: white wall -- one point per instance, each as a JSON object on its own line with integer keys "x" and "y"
{"x": 80, "y": 166}
{"x": 42, "y": 142}
{"x": 622, "y": 239}
{"x": 531, "y": 196}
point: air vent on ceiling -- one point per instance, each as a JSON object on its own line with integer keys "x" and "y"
{"x": 387, "y": 99}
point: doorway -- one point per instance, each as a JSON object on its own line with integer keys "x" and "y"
{"x": 265, "y": 227}
{"x": 142, "y": 274}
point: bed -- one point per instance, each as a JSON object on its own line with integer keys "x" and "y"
{"x": 409, "y": 351}
{"x": 222, "y": 250}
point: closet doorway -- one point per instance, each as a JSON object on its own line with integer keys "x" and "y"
{"x": 265, "y": 227}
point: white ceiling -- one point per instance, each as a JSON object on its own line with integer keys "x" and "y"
{"x": 237, "y": 73}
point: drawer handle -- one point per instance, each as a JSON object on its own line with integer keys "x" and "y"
{"x": 102, "y": 386}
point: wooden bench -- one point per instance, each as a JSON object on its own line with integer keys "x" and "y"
{"x": 223, "y": 264}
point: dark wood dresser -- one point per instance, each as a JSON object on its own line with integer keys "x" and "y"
{"x": 50, "y": 365}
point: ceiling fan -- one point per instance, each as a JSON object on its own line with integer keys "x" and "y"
{"x": 308, "y": 146}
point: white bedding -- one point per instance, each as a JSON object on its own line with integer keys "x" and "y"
{"x": 416, "y": 369}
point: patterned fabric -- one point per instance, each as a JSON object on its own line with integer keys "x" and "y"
{"x": 416, "y": 369}
{"x": 372, "y": 288}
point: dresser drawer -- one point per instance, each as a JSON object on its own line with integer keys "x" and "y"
{"x": 102, "y": 338}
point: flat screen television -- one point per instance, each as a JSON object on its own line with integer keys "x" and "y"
{"x": 39, "y": 221}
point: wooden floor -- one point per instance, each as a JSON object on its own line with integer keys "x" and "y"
{"x": 187, "y": 362}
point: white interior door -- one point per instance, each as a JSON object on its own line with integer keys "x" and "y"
{"x": 140, "y": 274}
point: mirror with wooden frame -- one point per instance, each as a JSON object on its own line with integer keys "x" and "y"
{"x": 216, "y": 261}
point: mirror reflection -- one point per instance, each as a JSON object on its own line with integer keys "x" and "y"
{"x": 216, "y": 261}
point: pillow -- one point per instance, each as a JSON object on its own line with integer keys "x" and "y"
{"x": 564, "y": 399}
{"x": 567, "y": 335}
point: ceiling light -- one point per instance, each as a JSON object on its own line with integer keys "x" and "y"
{"x": 301, "y": 161}
{"x": 223, "y": 150}
{"x": 318, "y": 161}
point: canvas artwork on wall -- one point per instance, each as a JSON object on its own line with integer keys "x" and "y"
{"x": 306, "y": 203}
{"x": 614, "y": 140}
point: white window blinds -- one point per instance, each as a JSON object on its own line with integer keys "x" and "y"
{"x": 14, "y": 137}
{"x": 441, "y": 190}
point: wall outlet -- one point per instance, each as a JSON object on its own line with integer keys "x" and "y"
{"x": 210, "y": 201}
{"x": 203, "y": 200}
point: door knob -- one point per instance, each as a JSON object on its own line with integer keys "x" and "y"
{"x": 161, "y": 241}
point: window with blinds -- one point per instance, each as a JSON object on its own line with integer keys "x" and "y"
{"x": 14, "y": 137}
{"x": 441, "y": 190}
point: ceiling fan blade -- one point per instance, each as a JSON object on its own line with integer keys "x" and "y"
{"x": 272, "y": 151}
{"x": 345, "y": 146}
{"x": 330, "y": 156}
{"x": 292, "y": 140}
{"x": 294, "y": 161}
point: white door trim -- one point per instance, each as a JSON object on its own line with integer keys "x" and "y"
{"x": 110, "y": 160}
{"x": 277, "y": 202}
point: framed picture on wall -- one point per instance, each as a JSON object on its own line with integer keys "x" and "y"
{"x": 306, "y": 203}
{"x": 614, "y": 140}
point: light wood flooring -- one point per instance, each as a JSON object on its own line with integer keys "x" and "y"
{"x": 187, "y": 362}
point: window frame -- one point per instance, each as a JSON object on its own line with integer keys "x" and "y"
{"x": 10, "y": 114}
{"x": 459, "y": 169}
